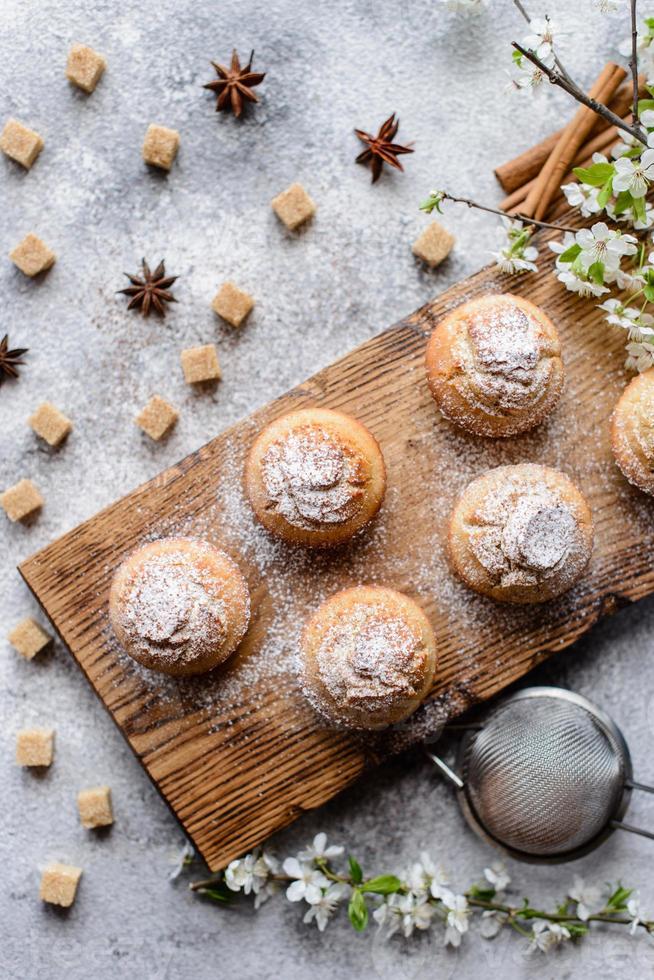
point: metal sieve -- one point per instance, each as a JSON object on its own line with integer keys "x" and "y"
{"x": 546, "y": 775}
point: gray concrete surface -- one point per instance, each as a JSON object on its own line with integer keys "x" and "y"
{"x": 331, "y": 66}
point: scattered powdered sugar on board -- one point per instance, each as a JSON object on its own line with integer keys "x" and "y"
{"x": 288, "y": 583}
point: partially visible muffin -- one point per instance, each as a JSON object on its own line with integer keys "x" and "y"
{"x": 494, "y": 365}
{"x": 369, "y": 656}
{"x": 520, "y": 534}
{"x": 632, "y": 431}
{"x": 315, "y": 477}
{"x": 179, "y": 606}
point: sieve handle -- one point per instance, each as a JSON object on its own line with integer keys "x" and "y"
{"x": 646, "y": 789}
{"x": 618, "y": 825}
{"x": 445, "y": 769}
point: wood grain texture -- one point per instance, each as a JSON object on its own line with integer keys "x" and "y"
{"x": 239, "y": 753}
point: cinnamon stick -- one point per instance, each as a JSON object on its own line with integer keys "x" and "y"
{"x": 523, "y": 168}
{"x": 599, "y": 144}
{"x": 573, "y": 137}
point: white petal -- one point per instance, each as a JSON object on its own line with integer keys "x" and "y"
{"x": 292, "y": 867}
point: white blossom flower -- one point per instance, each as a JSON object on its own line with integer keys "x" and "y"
{"x": 604, "y": 245}
{"x": 405, "y": 912}
{"x": 633, "y": 909}
{"x": 640, "y": 356}
{"x": 527, "y": 76}
{"x": 491, "y": 923}
{"x": 583, "y": 287}
{"x": 547, "y": 935}
{"x": 625, "y": 145}
{"x": 582, "y": 196}
{"x": 515, "y": 254}
{"x": 587, "y": 897}
{"x": 324, "y": 908}
{"x": 309, "y": 883}
{"x": 634, "y": 176}
{"x": 608, "y": 6}
{"x": 184, "y": 858}
{"x": 540, "y": 40}
{"x": 319, "y": 849}
{"x": 457, "y": 918}
{"x": 619, "y": 316}
{"x": 497, "y": 876}
{"x": 250, "y": 873}
{"x": 425, "y": 877}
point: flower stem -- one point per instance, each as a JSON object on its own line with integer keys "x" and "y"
{"x": 514, "y": 912}
{"x": 504, "y": 214}
{"x": 633, "y": 61}
{"x": 557, "y": 78}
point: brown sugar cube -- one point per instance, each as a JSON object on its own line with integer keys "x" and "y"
{"x": 94, "y": 807}
{"x": 28, "y": 638}
{"x": 200, "y": 364}
{"x": 84, "y": 67}
{"x": 157, "y": 418}
{"x": 59, "y": 884}
{"x": 21, "y": 501}
{"x": 32, "y": 255}
{"x": 232, "y": 304}
{"x": 160, "y": 146}
{"x": 35, "y": 747}
{"x": 433, "y": 244}
{"x": 51, "y": 424}
{"x": 293, "y": 206}
{"x": 20, "y": 143}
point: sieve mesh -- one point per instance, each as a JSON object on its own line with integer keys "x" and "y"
{"x": 543, "y": 776}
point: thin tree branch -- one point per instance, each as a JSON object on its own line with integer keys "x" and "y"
{"x": 504, "y": 214}
{"x": 598, "y": 108}
{"x": 633, "y": 62}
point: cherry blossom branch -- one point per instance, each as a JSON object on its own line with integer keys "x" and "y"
{"x": 556, "y": 78}
{"x": 444, "y": 196}
{"x": 633, "y": 61}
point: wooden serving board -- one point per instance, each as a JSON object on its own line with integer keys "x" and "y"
{"x": 239, "y": 753}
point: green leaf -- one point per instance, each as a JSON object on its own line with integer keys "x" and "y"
{"x": 597, "y": 175}
{"x": 357, "y": 910}
{"x": 356, "y": 873}
{"x": 638, "y": 208}
{"x": 570, "y": 254}
{"x": 618, "y": 900}
{"x": 623, "y": 202}
{"x": 485, "y": 894}
{"x": 217, "y": 894}
{"x": 576, "y": 928}
{"x": 644, "y": 104}
{"x": 596, "y": 273}
{"x": 648, "y": 293}
{"x": 382, "y": 885}
{"x": 605, "y": 194}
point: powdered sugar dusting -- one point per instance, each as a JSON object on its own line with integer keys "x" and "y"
{"x": 504, "y": 356}
{"x": 371, "y": 660}
{"x": 168, "y": 613}
{"x": 312, "y": 479}
{"x": 522, "y": 534}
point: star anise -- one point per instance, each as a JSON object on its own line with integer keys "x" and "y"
{"x": 381, "y": 149}
{"x": 10, "y": 359}
{"x": 235, "y": 84}
{"x": 151, "y": 290}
